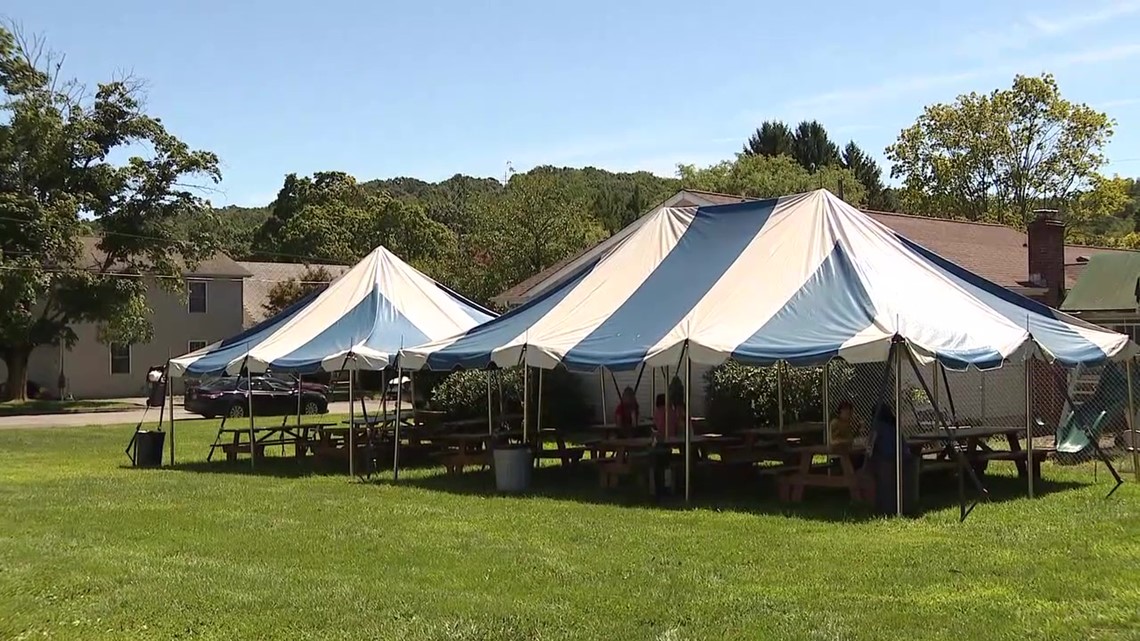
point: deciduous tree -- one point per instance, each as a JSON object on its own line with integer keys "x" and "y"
{"x": 999, "y": 156}
{"x": 766, "y": 177}
{"x": 57, "y": 142}
{"x": 285, "y": 293}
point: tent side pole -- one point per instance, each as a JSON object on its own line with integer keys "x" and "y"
{"x": 826, "y": 402}
{"x": 170, "y": 400}
{"x": 898, "y": 429}
{"x": 602, "y": 391}
{"x": 300, "y": 393}
{"x": 668, "y": 415}
{"x": 688, "y": 428}
{"x": 490, "y": 415}
{"x": 351, "y": 421}
{"x": 1028, "y": 421}
{"x": 252, "y": 434}
{"x": 538, "y": 412}
{"x": 399, "y": 404}
{"x": 934, "y": 400}
{"x": 1133, "y": 440}
{"x": 780, "y": 393}
{"x": 526, "y": 400}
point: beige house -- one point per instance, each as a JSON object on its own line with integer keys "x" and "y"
{"x": 210, "y": 310}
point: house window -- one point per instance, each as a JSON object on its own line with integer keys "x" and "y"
{"x": 197, "y": 296}
{"x": 193, "y": 346}
{"x": 120, "y": 358}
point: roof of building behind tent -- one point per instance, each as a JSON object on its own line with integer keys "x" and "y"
{"x": 264, "y": 277}
{"x": 995, "y": 252}
{"x": 1110, "y": 282}
{"x": 218, "y": 266}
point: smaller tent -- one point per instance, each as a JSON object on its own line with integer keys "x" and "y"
{"x": 360, "y": 321}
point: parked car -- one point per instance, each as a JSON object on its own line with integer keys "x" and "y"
{"x": 272, "y": 396}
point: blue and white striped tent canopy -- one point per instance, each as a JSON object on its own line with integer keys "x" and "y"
{"x": 801, "y": 279}
{"x": 369, "y": 312}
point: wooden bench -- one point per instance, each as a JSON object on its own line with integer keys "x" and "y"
{"x": 456, "y": 461}
{"x": 1019, "y": 458}
{"x": 568, "y": 455}
{"x": 232, "y": 449}
{"x": 611, "y": 471}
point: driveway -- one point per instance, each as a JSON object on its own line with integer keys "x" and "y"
{"x": 136, "y": 416}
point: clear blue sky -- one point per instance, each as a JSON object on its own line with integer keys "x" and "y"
{"x": 430, "y": 89}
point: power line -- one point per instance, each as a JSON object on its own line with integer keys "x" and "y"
{"x": 175, "y": 241}
{"x": 222, "y": 279}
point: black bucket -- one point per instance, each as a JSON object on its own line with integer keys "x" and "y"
{"x": 148, "y": 448}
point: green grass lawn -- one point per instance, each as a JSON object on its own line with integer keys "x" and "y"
{"x": 33, "y": 407}
{"x": 90, "y": 549}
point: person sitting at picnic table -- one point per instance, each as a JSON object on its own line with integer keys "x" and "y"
{"x": 627, "y": 414}
{"x": 663, "y": 417}
{"x": 842, "y": 425}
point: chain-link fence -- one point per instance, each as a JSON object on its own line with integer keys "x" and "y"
{"x": 1078, "y": 417}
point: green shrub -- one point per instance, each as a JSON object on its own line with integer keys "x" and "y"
{"x": 740, "y": 396}
{"x": 463, "y": 394}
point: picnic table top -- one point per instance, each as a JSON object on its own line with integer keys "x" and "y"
{"x": 377, "y": 420}
{"x": 966, "y": 432}
{"x": 833, "y": 449}
{"x": 274, "y": 428}
{"x": 640, "y": 442}
{"x": 795, "y": 429}
{"x": 476, "y": 437}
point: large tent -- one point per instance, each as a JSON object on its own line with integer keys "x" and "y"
{"x": 800, "y": 279}
{"x": 360, "y": 321}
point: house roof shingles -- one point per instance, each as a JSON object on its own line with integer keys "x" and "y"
{"x": 995, "y": 252}
{"x": 218, "y": 265}
{"x": 263, "y": 276}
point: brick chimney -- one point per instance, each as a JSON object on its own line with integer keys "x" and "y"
{"x": 1047, "y": 254}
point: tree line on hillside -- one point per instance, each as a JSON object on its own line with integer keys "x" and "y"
{"x": 989, "y": 157}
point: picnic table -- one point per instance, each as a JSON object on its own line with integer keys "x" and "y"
{"x": 805, "y": 473}
{"x": 381, "y": 420}
{"x": 793, "y": 431}
{"x": 470, "y": 449}
{"x": 301, "y": 437}
{"x": 972, "y": 442}
{"x": 625, "y": 452}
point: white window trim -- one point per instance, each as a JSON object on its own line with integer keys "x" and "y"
{"x": 190, "y": 345}
{"x": 111, "y": 361}
{"x": 205, "y": 296}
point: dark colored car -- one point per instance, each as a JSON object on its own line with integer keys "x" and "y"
{"x": 229, "y": 396}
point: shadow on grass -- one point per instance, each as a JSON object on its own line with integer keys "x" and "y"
{"x": 579, "y": 483}
{"x": 275, "y": 466}
{"x": 286, "y": 466}
{"x": 757, "y": 496}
